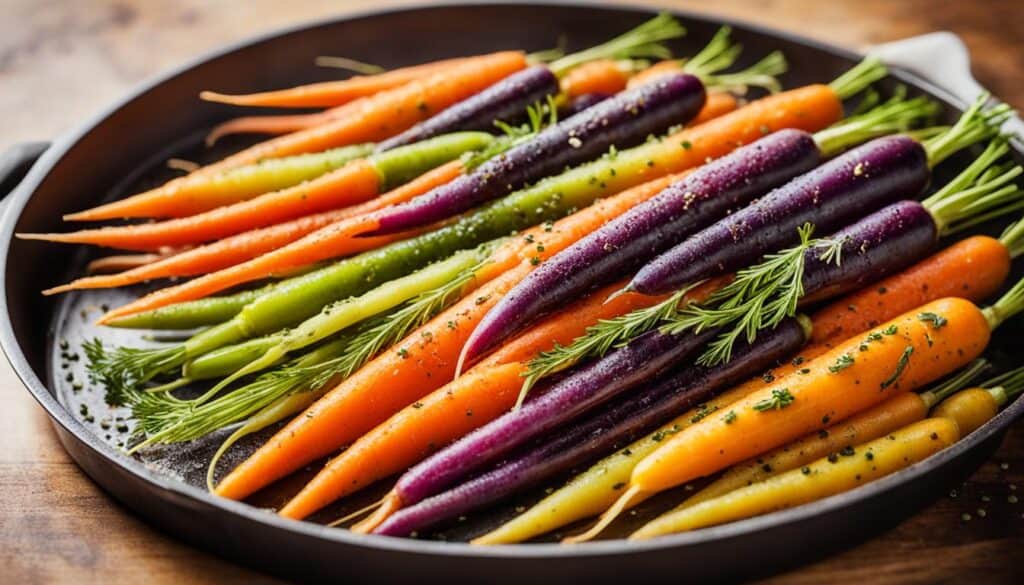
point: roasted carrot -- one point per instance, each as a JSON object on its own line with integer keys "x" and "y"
{"x": 389, "y": 112}
{"x": 898, "y": 411}
{"x": 231, "y": 186}
{"x": 815, "y": 481}
{"x": 606, "y": 76}
{"x": 280, "y": 124}
{"x": 119, "y": 263}
{"x": 591, "y": 492}
{"x": 355, "y": 182}
{"x": 375, "y": 118}
{"x": 912, "y": 350}
{"x": 329, "y": 94}
{"x": 336, "y": 240}
{"x": 659, "y": 69}
{"x": 717, "y": 104}
{"x": 973, "y": 269}
{"x": 861, "y": 454}
{"x": 248, "y": 245}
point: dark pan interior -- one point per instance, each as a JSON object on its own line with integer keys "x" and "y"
{"x": 124, "y": 151}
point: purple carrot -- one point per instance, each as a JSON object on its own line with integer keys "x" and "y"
{"x": 855, "y": 183}
{"x": 591, "y": 436}
{"x": 582, "y": 102}
{"x": 621, "y": 121}
{"x": 625, "y": 243}
{"x": 878, "y": 245}
{"x": 591, "y": 384}
{"x": 506, "y": 100}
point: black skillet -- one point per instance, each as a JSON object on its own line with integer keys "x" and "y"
{"x": 123, "y": 149}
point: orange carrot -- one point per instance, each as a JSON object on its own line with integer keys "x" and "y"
{"x": 369, "y": 120}
{"x": 973, "y": 269}
{"x": 248, "y": 245}
{"x": 276, "y": 125}
{"x": 328, "y": 94}
{"x": 904, "y": 354}
{"x": 659, "y": 69}
{"x": 337, "y": 240}
{"x": 600, "y": 76}
{"x": 718, "y": 103}
{"x": 354, "y": 183}
{"x": 109, "y": 264}
{"x": 389, "y": 112}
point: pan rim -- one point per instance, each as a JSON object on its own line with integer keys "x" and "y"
{"x": 18, "y": 199}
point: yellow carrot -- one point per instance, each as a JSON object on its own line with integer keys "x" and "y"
{"x": 823, "y": 478}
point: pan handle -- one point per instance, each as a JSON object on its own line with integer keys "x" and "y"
{"x": 15, "y": 163}
{"x": 943, "y": 59}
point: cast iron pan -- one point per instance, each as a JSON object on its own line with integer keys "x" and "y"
{"x": 122, "y": 151}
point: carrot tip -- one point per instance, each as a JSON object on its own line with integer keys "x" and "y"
{"x": 59, "y": 289}
{"x": 45, "y": 237}
{"x": 607, "y": 518}
{"x": 388, "y": 506}
{"x": 80, "y": 216}
{"x": 213, "y": 96}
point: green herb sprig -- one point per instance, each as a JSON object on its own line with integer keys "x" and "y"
{"x": 759, "y": 298}
{"x": 166, "y": 419}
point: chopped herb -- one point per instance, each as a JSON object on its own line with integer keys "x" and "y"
{"x": 891, "y": 330}
{"x": 798, "y": 360}
{"x": 702, "y": 411}
{"x": 900, "y": 366}
{"x": 805, "y": 470}
{"x": 403, "y": 353}
{"x": 937, "y": 321}
{"x": 869, "y": 456}
{"x": 687, "y": 145}
{"x": 730, "y": 417}
{"x": 842, "y": 362}
{"x": 417, "y": 405}
{"x": 805, "y": 371}
{"x": 779, "y": 399}
{"x": 768, "y": 377}
{"x": 833, "y": 457}
{"x": 848, "y": 451}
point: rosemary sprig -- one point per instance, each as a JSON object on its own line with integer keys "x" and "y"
{"x": 599, "y": 338}
{"x": 166, "y": 419}
{"x": 760, "y": 297}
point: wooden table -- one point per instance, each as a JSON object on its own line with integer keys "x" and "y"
{"x": 61, "y": 61}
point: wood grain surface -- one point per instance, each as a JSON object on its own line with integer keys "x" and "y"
{"x": 61, "y": 60}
